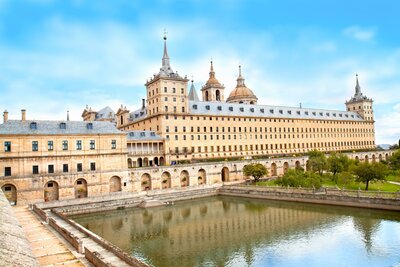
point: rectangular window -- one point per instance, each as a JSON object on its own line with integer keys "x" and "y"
{"x": 50, "y": 168}
{"x": 79, "y": 167}
{"x": 35, "y": 146}
{"x": 7, "y": 171}
{"x": 113, "y": 144}
{"x": 7, "y": 146}
{"x": 35, "y": 169}
{"x": 78, "y": 144}
{"x": 65, "y": 167}
{"x": 65, "y": 145}
{"x": 92, "y": 144}
{"x": 93, "y": 166}
{"x": 50, "y": 146}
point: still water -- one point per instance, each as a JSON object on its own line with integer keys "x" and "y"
{"x": 228, "y": 231}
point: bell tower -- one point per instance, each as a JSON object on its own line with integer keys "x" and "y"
{"x": 213, "y": 90}
{"x": 361, "y": 104}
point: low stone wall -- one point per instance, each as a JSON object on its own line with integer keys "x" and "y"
{"x": 15, "y": 250}
{"x": 309, "y": 196}
{"x": 70, "y": 237}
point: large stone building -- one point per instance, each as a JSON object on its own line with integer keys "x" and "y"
{"x": 50, "y": 160}
{"x": 239, "y": 127}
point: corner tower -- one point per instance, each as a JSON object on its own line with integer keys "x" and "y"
{"x": 213, "y": 90}
{"x": 166, "y": 90}
{"x": 361, "y": 104}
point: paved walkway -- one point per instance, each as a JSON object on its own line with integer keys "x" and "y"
{"x": 46, "y": 246}
{"x": 391, "y": 182}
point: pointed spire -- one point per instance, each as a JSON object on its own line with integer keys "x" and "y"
{"x": 358, "y": 88}
{"x": 212, "y": 72}
{"x": 192, "y": 93}
{"x": 165, "y": 59}
{"x": 240, "y": 79}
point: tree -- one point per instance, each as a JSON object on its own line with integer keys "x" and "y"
{"x": 338, "y": 163}
{"x": 256, "y": 170}
{"x": 394, "y": 160}
{"x": 297, "y": 178}
{"x": 317, "y": 161}
{"x": 369, "y": 172}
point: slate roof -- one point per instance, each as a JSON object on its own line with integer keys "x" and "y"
{"x": 266, "y": 111}
{"x": 57, "y": 127}
{"x": 142, "y": 135}
{"x": 105, "y": 113}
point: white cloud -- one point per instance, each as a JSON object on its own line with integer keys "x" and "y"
{"x": 361, "y": 34}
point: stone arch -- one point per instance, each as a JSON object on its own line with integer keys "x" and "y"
{"x": 115, "y": 184}
{"x": 217, "y": 95}
{"x": 274, "y": 169}
{"x": 285, "y": 167}
{"x": 201, "y": 177}
{"x": 140, "y": 162}
{"x": 225, "y": 174}
{"x": 51, "y": 191}
{"x": 80, "y": 188}
{"x": 165, "y": 180}
{"x": 297, "y": 164}
{"x": 357, "y": 158}
{"x": 251, "y": 102}
{"x": 145, "y": 181}
{"x": 184, "y": 177}
{"x": 145, "y": 162}
{"x": 373, "y": 158}
{"x": 207, "y": 96}
{"x": 10, "y": 192}
{"x": 130, "y": 163}
{"x": 155, "y": 161}
{"x": 162, "y": 161}
{"x": 366, "y": 158}
{"x": 386, "y": 156}
{"x": 308, "y": 168}
{"x": 380, "y": 157}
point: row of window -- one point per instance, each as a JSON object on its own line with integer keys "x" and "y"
{"x": 233, "y": 148}
{"x": 50, "y": 145}
{"x": 271, "y": 129}
{"x": 50, "y": 168}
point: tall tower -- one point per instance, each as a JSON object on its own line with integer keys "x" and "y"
{"x": 361, "y": 104}
{"x": 166, "y": 90}
{"x": 213, "y": 90}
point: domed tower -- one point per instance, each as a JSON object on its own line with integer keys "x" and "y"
{"x": 213, "y": 90}
{"x": 241, "y": 94}
{"x": 361, "y": 104}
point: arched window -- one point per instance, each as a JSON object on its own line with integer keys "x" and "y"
{"x": 218, "y": 95}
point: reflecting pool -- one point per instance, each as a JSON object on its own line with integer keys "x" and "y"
{"x": 229, "y": 231}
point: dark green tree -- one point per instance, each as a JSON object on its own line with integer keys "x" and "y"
{"x": 394, "y": 160}
{"x": 337, "y": 163}
{"x": 256, "y": 170}
{"x": 369, "y": 172}
{"x": 317, "y": 161}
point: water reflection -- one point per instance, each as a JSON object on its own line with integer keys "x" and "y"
{"x": 226, "y": 231}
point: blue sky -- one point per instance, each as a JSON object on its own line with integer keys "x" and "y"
{"x": 60, "y": 55}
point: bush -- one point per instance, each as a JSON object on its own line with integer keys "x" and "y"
{"x": 296, "y": 178}
{"x": 345, "y": 178}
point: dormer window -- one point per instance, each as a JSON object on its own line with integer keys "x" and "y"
{"x": 153, "y": 134}
{"x": 252, "y": 109}
{"x": 334, "y": 114}
{"x": 281, "y": 111}
{"x": 289, "y": 112}
{"x": 262, "y": 110}
{"x": 230, "y": 108}
{"x": 33, "y": 126}
{"x": 241, "y": 109}
{"x": 327, "y": 114}
{"x": 63, "y": 126}
{"x": 89, "y": 126}
{"x": 271, "y": 111}
{"x": 346, "y": 116}
{"x": 321, "y": 114}
{"x": 298, "y": 112}
{"x": 131, "y": 134}
{"x": 208, "y": 107}
{"x": 142, "y": 134}
{"x": 314, "y": 113}
{"x": 194, "y": 106}
{"x": 340, "y": 115}
{"x": 219, "y": 108}
{"x": 306, "y": 112}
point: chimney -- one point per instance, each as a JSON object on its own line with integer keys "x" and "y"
{"x": 5, "y": 116}
{"x": 23, "y": 114}
{"x": 143, "y": 103}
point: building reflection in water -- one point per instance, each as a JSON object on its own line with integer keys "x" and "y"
{"x": 219, "y": 231}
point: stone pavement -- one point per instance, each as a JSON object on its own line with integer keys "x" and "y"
{"x": 46, "y": 246}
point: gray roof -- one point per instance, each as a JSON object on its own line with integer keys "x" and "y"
{"x": 138, "y": 114}
{"x": 105, "y": 113}
{"x": 266, "y": 111}
{"x": 56, "y": 127}
{"x": 358, "y": 95}
{"x": 142, "y": 135}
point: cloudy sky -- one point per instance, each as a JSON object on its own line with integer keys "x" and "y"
{"x": 62, "y": 55}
